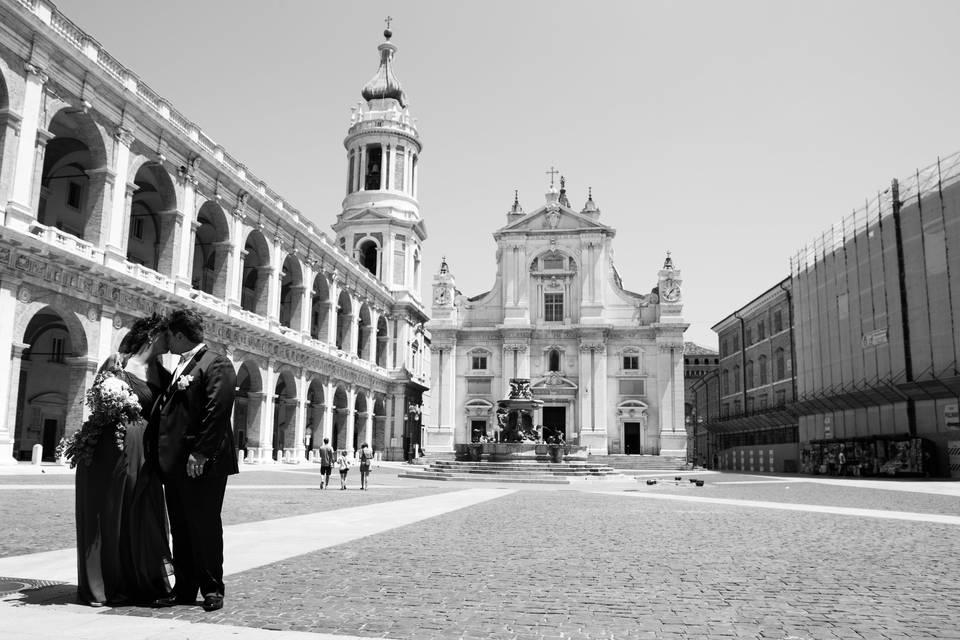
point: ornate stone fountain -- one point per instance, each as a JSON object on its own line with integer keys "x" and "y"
{"x": 517, "y": 438}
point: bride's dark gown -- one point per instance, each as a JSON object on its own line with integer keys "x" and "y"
{"x": 122, "y": 550}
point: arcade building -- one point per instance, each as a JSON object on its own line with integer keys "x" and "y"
{"x": 115, "y": 205}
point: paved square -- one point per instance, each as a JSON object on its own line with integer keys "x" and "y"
{"x": 741, "y": 557}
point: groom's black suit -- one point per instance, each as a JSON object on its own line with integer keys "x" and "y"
{"x": 194, "y": 416}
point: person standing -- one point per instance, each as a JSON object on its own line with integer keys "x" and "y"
{"x": 122, "y": 550}
{"x": 365, "y": 458}
{"x": 343, "y": 464}
{"x": 327, "y": 456}
{"x": 195, "y": 454}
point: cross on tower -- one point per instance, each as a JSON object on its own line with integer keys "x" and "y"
{"x": 552, "y": 173}
{"x": 388, "y": 20}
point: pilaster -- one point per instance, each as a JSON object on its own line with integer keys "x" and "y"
{"x": 19, "y": 213}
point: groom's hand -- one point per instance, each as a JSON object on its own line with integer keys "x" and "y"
{"x": 195, "y": 464}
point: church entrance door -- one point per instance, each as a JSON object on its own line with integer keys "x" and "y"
{"x": 554, "y": 422}
{"x": 631, "y": 438}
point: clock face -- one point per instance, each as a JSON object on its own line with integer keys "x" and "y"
{"x": 670, "y": 291}
{"x": 441, "y": 295}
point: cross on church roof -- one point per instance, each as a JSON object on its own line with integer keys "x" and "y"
{"x": 552, "y": 173}
{"x": 388, "y": 20}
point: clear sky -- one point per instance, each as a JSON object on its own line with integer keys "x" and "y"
{"x": 730, "y": 133}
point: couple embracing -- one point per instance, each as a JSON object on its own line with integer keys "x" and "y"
{"x": 157, "y": 444}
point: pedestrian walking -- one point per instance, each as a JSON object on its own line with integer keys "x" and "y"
{"x": 365, "y": 458}
{"x": 343, "y": 464}
{"x": 327, "y": 457}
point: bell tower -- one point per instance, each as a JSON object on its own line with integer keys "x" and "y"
{"x": 380, "y": 223}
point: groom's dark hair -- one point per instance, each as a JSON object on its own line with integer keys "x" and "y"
{"x": 188, "y": 322}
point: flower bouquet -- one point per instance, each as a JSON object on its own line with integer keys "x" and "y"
{"x": 113, "y": 405}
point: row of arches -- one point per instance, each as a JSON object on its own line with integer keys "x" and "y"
{"x": 73, "y": 196}
{"x": 278, "y": 413}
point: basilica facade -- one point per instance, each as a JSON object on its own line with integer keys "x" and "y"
{"x": 607, "y": 363}
{"x": 116, "y": 205}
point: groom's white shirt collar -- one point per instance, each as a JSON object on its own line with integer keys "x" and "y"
{"x": 185, "y": 358}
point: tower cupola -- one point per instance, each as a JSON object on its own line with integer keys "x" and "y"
{"x": 384, "y": 84}
{"x": 380, "y": 221}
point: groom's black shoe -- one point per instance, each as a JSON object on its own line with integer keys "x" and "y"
{"x": 171, "y": 601}
{"x": 212, "y": 602}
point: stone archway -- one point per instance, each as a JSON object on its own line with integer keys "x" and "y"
{"x": 53, "y": 377}
{"x": 285, "y": 417}
{"x": 153, "y": 211}
{"x": 247, "y": 409}
{"x": 339, "y": 432}
{"x": 73, "y": 183}
{"x": 211, "y": 246}
{"x": 291, "y": 293}
{"x": 255, "y": 274}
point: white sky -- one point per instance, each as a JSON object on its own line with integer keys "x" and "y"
{"x": 730, "y": 133}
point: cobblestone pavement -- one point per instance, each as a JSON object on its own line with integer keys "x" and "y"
{"x": 576, "y": 563}
{"x": 805, "y": 491}
{"x": 36, "y": 519}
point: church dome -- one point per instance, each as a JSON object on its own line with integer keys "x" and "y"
{"x": 384, "y": 83}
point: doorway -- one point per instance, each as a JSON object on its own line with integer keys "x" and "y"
{"x": 50, "y": 431}
{"x": 554, "y": 423}
{"x": 631, "y": 438}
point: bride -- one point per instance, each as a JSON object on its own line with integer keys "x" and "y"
{"x": 122, "y": 545}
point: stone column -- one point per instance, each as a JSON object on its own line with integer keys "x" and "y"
{"x": 273, "y": 292}
{"x": 333, "y": 311}
{"x": 43, "y": 137}
{"x": 235, "y": 267}
{"x": 10, "y": 378}
{"x": 593, "y": 408}
{"x": 372, "y": 335}
{"x": 114, "y": 223}
{"x": 363, "y": 168}
{"x": 300, "y": 448}
{"x": 254, "y": 426}
{"x": 9, "y": 139}
{"x": 19, "y": 214}
{"x": 306, "y": 300}
{"x": 184, "y": 250}
{"x": 265, "y": 446}
{"x": 384, "y": 165}
{"x": 351, "y": 419}
{"x": 368, "y": 422}
{"x": 327, "y": 428}
{"x": 670, "y": 395}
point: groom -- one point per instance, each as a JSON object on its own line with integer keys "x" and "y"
{"x": 195, "y": 454}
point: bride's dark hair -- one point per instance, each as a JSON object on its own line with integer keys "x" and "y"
{"x": 140, "y": 332}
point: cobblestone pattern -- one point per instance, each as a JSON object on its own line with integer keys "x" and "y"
{"x": 807, "y": 493}
{"x": 566, "y": 564}
{"x": 33, "y": 520}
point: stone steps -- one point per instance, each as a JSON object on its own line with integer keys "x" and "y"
{"x": 528, "y": 472}
{"x": 641, "y": 463}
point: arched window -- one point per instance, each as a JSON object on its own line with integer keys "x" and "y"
{"x": 368, "y": 255}
{"x": 553, "y": 360}
{"x": 736, "y": 378}
{"x": 781, "y": 364}
{"x": 725, "y": 381}
{"x": 748, "y": 382}
{"x": 762, "y": 366}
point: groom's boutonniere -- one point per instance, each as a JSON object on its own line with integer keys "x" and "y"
{"x": 183, "y": 382}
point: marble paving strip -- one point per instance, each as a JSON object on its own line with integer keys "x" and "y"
{"x": 811, "y": 508}
{"x": 254, "y": 544}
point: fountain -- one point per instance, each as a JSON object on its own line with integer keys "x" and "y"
{"x": 516, "y": 438}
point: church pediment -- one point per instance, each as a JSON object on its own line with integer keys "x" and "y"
{"x": 552, "y": 383}
{"x": 554, "y": 217}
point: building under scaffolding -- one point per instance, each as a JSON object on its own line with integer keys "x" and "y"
{"x": 874, "y": 316}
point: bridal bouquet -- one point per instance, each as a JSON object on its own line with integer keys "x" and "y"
{"x": 113, "y": 405}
